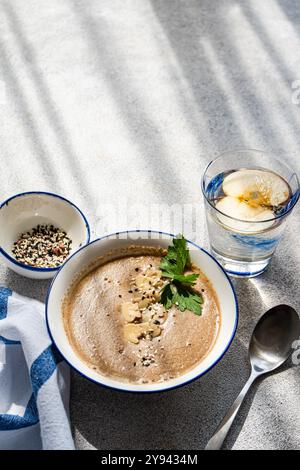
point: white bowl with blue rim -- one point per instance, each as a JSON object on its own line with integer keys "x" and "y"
{"x": 103, "y": 246}
{"x": 24, "y": 211}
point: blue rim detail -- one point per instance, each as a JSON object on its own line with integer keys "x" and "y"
{"x": 167, "y": 388}
{"x": 247, "y": 274}
{"x": 32, "y": 268}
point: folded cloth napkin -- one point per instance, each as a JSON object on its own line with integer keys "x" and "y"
{"x": 34, "y": 381}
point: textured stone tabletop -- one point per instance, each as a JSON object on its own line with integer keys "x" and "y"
{"x": 123, "y": 102}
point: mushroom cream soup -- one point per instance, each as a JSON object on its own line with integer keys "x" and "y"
{"x": 116, "y": 324}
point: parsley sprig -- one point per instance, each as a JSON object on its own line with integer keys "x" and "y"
{"x": 179, "y": 290}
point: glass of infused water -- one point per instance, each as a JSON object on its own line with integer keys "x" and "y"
{"x": 248, "y": 196}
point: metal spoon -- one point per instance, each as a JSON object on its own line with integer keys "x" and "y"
{"x": 270, "y": 347}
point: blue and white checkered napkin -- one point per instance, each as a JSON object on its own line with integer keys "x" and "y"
{"x": 34, "y": 381}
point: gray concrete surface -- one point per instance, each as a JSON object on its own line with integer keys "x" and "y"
{"x": 125, "y": 101}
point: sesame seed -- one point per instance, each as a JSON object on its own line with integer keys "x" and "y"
{"x": 44, "y": 246}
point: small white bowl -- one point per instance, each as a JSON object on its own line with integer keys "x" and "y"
{"x": 83, "y": 257}
{"x": 24, "y": 211}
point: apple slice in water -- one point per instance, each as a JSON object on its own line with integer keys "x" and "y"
{"x": 257, "y": 187}
{"x": 247, "y": 215}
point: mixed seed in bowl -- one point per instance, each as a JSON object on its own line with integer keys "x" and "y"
{"x": 44, "y": 246}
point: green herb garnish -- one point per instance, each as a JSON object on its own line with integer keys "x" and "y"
{"x": 179, "y": 290}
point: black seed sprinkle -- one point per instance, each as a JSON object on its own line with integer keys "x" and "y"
{"x": 44, "y": 246}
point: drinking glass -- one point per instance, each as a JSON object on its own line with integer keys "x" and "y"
{"x": 245, "y": 249}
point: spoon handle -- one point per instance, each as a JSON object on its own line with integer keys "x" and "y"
{"x": 215, "y": 443}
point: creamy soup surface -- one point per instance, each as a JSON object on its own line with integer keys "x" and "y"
{"x": 117, "y": 326}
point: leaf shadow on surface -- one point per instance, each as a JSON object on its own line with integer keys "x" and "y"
{"x": 51, "y": 110}
{"x": 186, "y": 24}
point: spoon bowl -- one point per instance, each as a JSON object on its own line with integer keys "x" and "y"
{"x": 271, "y": 341}
{"x": 270, "y": 346}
